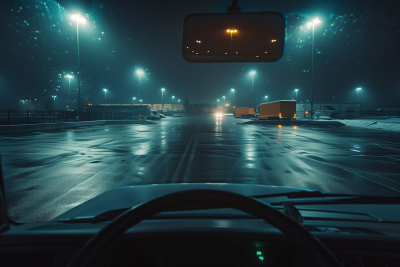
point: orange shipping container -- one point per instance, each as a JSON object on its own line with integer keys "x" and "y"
{"x": 282, "y": 109}
{"x": 245, "y": 112}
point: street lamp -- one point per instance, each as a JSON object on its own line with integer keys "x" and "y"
{"x": 358, "y": 89}
{"x": 224, "y": 99}
{"x": 217, "y": 102}
{"x": 173, "y": 102}
{"x": 140, "y": 100}
{"x": 139, "y": 73}
{"x": 69, "y": 82}
{"x": 54, "y": 97}
{"x": 162, "y": 98}
{"x": 231, "y": 32}
{"x": 266, "y": 97}
{"x": 79, "y": 19}
{"x": 105, "y": 93}
{"x": 252, "y": 85}
{"x": 134, "y": 98}
{"x": 312, "y": 24}
{"x": 296, "y": 92}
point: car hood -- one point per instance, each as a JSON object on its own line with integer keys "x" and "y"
{"x": 130, "y": 196}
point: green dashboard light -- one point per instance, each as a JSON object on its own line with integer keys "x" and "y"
{"x": 258, "y": 252}
{"x": 261, "y": 258}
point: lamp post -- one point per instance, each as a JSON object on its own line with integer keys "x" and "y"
{"x": 252, "y": 85}
{"x": 217, "y": 102}
{"x": 140, "y": 100}
{"x": 266, "y": 97}
{"x": 358, "y": 89}
{"x": 224, "y": 99}
{"x": 78, "y": 19}
{"x": 296, "y": 93}
{"x": 134, "y": 98}
{"x": 233, "y": 95}
{"x": 313, "y": 23}
{"x": 105, "y": 97}
{"x": 173, "y": 102}
{"x": 162, "y": 98}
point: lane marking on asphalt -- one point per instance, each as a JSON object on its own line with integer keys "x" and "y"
{"x": 178, "y": 169}
{"x": 186, "y": 176}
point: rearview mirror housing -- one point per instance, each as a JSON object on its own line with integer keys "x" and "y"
{"x": 233, "y": 37}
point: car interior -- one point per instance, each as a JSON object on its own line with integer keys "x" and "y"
{"x": 211, "y": 225}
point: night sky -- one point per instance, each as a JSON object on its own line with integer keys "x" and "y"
{"x": 356, "y": 45}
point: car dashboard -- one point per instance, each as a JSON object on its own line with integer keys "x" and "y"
{"x": 201, "y": 242}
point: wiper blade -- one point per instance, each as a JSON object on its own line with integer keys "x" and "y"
{"x": 347, "y": 200}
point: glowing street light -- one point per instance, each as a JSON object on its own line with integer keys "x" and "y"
{"x": 140, "y": 100}
{"x": 54, "y": 97}
{"x": 312, "y": 24}
{"x": 296, "y": 92}
{"x": 134, "y": 98}
{"x": 139, "y": 73}
{"x": 69, "y": 82}
{"x": 266, "y": 97}
{"x": 252, "y": 73}
{"x": 231, "y": 32}
{"x": 162, "y": 98}
{"x": 79, "y": 19}
{"x": 217, "y": 102}
{"x": 358, "y": 89}
{"x": 179, "y": 100}
{"x": 105, "y": 93}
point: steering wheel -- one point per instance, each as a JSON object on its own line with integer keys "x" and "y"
{"x": 99, "y": 243}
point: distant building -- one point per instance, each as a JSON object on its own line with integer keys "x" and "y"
{"x": 203, "y": 107}
{"x": 172, "y": 107}
{"x": 332, "y": 110}
{"x": 113, "y": 111}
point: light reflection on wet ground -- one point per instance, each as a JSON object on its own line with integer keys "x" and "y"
{"x": 56, "y": 171}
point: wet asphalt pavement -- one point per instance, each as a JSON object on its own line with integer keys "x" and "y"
{"x": 48, "y": 173}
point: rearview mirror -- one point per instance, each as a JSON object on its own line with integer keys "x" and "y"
{"x": 233, "y": 37}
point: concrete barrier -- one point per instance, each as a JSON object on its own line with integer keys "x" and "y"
{"x": 293, "y": 122}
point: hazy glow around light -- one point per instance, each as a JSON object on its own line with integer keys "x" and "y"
{"x": 314, "y": 22}
{"x": 296, "y": 90}
{"x": 162, "y": 89}
{"x": 358, "y": 89}
{"x": 105, "y": 90}
{"x": 252, "y": 72}
{"x": 78, "y": 18}
{"x": 232, "y": 90}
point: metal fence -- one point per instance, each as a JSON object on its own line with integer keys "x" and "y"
{"x": 32, "y": 117}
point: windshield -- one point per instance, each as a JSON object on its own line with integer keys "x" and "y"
{"x": 78, "y": 86}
